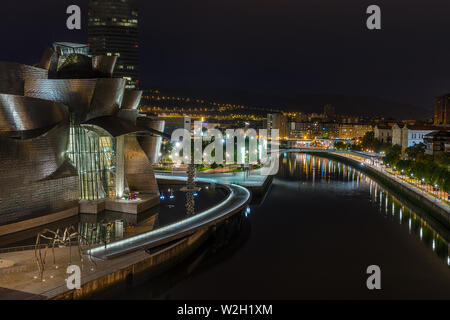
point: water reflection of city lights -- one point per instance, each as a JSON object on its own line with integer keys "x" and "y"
{"x": 247, "y": 211}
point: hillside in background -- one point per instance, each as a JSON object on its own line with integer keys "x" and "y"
{"x": 351, "y": 105}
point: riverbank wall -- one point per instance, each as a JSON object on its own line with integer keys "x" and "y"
{"x": 147, "y": 265}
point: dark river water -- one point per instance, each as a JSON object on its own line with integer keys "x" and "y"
{"x": 110, "y": 226}
{"x": 319, "y": 227}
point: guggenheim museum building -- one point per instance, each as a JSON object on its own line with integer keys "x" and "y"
{"x": 72, "y": 140}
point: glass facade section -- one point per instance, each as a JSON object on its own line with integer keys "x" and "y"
{"x": 93, "y": 155}
{"x": 71, "y": 48}
{"x": 98, "y": 233}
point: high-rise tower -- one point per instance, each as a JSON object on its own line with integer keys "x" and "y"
{"x": 442, "y": 110}
{"x": 113, "y": 31}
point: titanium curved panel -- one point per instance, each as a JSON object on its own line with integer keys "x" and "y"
{"x": 46, "y": 59}
{"x": 138, "y": 168}
{"x": 18, "y": 113}
{"x": 151, "y": 144}
{"x": 131, "y": 99}
{"x": 12, "y": 87}
{"x": 153, "y": 126}
{"x": 104, "y": 65}
{"x": 26, "y": 161}
{"x": 107, "y": 98}
{"x": 86, "y": 98}
{"x": 11, "y": 72}
{"x": 77, "y": 94}
{"x": 113, "y": 125}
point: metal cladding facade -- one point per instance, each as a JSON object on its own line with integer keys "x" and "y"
{"x": 151, "y": 144}
{"x": 31, "y": 183}
{"x": 13, "y": 76}
{"x": 139, "y": 173}
{"x": 104, "y": 65}
{"x": 86, "y": 98}
{"x": 113, "y": 126}
{"x": 11, "y": 71}
{"x": 75, "y": 93}
{"x": 35, "y": 177}
{"x": 75, "y": 66}
{"x": 131, "y": 99}
{"x": 58, "y": 136}
{"x": 46, "y": 59}
{"x": 107, "y": 98}
{"x": 21, "y": 114}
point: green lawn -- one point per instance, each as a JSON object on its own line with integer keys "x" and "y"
{"x": 162, "y": 168}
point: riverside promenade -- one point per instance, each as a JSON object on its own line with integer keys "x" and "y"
{"x": 118, "y": 261}
{"x": 398, "y": 178}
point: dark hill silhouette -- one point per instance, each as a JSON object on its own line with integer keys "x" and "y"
{"x": 351, "y": 105}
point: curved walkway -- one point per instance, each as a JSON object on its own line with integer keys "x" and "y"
{"x": 249, "y": 179}
{"x": 237, "y": 199}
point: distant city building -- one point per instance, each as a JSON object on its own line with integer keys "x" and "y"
{"x": 349, "y": 119}
{"x": 277, "y": 121}
{"x": 383, "y": 133}
{"x": 330, "y": 130}
{"x": 300, "y": 130}
{"x": 301, "y": 117}
{"x": 329, "y": 111}
{"x": 437, "y": 142}
{"x": 113, "y": 31}
{"x": 406, "y": 135}
{"x": 315, "y": 117}
{"x": 442, "y": 110}
{"x": 353, "y": 130}
{"x": 187, "y": 123}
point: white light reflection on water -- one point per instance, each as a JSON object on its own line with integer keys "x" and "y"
{"x": 425, "y": 228}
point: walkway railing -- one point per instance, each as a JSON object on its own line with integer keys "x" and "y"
{"x": 237, "y": 199}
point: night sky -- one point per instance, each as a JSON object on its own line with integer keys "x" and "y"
{"x": 279, "y": 46}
